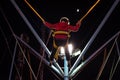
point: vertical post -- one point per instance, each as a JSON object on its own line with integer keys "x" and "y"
{"x": 65, "y": 68}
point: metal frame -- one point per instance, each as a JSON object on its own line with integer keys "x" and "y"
{"x": 75, "y": 68}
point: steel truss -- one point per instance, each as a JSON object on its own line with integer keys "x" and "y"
{"x": 77, "y": 66}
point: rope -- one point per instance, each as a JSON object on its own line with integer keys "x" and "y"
{"x": 89, "y": 10}
{"x": 34, "y": 11}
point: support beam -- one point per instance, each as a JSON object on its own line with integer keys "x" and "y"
{"x": 34, "y": 33}
{"x": 36, "y": 54}
{"x": 13, "y": 58}
{"x": 94, "y": 35}
{"x": 97, "y": 52}
{"x": 31, "y": 27}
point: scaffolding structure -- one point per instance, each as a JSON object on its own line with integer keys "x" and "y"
{"x": 66, "y": 73}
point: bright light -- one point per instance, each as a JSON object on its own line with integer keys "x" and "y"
{"x": 70, "y": 48}
{"x": 62, "y": 51}
{"x": 76, "y": 52}
{"x": 78, "y": 10}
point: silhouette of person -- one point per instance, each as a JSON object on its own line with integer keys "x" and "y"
{"x": 61, "y": 35}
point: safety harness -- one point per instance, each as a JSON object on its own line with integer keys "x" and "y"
{"x": 59, "y": 32}
{"x": 54, "y": 44}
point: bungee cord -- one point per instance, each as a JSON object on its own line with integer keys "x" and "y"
{"x": 80, "y": 20}
{"x": 44, "y": 20}
{"x": 89, "y": 10}
{"x": 34, "y": 11}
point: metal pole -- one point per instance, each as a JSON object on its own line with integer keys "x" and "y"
{"x": 34, "y": 33}
{"x": 12, "y": 61}
{"x": 65, "y": 68}
{"x": 97, "y": 52}
{"x": 30, "y": 27}
{"x": 94, "y": 35}
{"x": 36, "y": 54}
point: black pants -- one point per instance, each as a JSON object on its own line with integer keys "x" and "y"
{"x": 60, "y": 42}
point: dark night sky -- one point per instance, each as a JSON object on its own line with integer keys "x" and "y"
{"x": 51, "y": 11}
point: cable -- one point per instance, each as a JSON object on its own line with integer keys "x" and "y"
{"x": 34, "y": 11}
{"x": 89, "y": 10}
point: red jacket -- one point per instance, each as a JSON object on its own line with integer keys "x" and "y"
{"x": 60, "y": 26}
